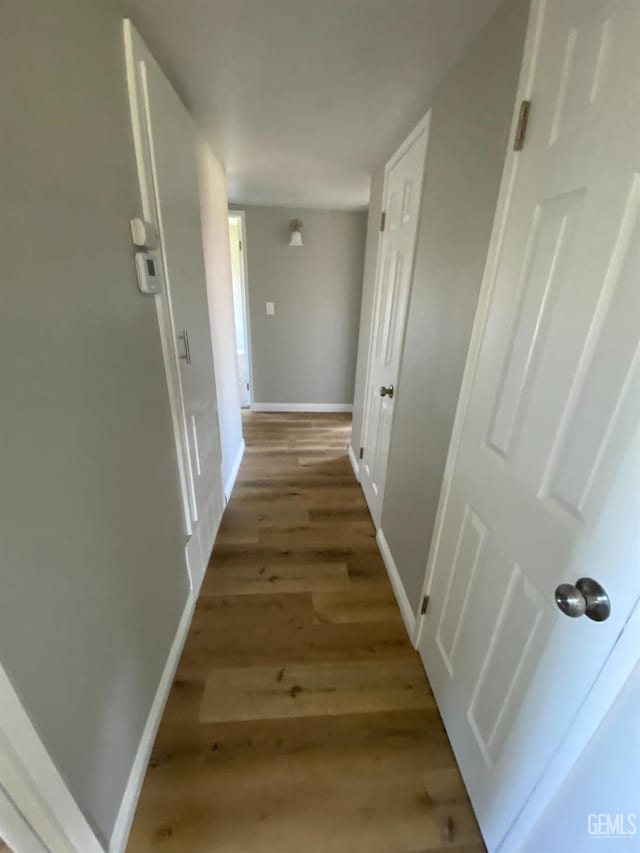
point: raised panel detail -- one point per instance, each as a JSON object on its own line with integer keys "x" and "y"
{"x": 195, "y": 446}
{"x": 586, "y": 58}
{"x": 406, "y": 200}
{"x": 509, "y": 664}
{"x": 373, "y": 435}
{"x": 393, "y": 302}
{"x": 605, "y": 389}
{"x": 467, "y": 557}
{"x": 550, "y": 237}
{"x": 392, "y": 211}
{"x": 382, "y": 435}
{"x": 388, "y": 276}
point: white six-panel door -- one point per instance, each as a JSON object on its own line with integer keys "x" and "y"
{"x": 543, "y": 478}
{"x": 402, "y": 196}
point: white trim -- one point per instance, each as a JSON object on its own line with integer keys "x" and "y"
{"x": 302, "y": 407}
{"x": 33, "y": 786}
{"x": 355, "y": 463}
{"x": 129, "y": 802}
{"x": 233, "y": 474}
{"x": 241, "y": 214}
{"x": 15, "y": 831}
{"x": 396, "y": 582}
{"x": 423, "y": 125}
{"x": 486, "y": 290}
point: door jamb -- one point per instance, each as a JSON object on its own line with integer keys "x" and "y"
{"x": 241, "y": 215}
{"x": 35, "y": 801}
{"x": 423, "y": 125}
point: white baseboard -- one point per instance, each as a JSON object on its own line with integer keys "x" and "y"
{"x": 233, "y": 474}
{"x": 301, "y": 407}
{"x": 355, "y": 464}
{"x": 394, "y": 576}
{"x": 127, "y": 810}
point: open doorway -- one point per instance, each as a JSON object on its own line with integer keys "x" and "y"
{"x": 240, "y": 305}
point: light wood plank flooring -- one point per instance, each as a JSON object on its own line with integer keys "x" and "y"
{"x": 300, "y": 720}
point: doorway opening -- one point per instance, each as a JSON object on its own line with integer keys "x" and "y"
{"x": 237, "y": 241}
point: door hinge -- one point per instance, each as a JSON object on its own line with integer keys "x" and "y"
{"x": 383, "y": 220}
{"x": 425, "y": 604}
{"x": 247, "y": 386}
{"x": 361, "y": 453}
{"x": 240, "y": 245}
{"x": 523, "y": 122}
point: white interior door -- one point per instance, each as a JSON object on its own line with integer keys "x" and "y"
{"x": 543, "y": 478}
{"x": 401, "y": 204}
{"x": 165, "y": 138}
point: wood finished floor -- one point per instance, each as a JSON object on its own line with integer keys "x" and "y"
{"x": 300, "y": 720}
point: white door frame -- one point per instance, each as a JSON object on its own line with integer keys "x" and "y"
{"x": 625, "y": 653}
{"x": 37, "y": 810}
{"x": 423, "y": 125}
{"x": 14, "y": 830}
{"x": 244, "y": 286}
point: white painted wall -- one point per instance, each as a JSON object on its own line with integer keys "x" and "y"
{"x": 215, "y": 235}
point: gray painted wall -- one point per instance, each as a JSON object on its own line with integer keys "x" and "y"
{"x": 472, "y": 111}
{"x": 366, "y": 304}
{"x": 306, "y": 353}
{"x": 92, "y": 573}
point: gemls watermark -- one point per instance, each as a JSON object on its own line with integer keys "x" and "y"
{"x": 608, "y": 825}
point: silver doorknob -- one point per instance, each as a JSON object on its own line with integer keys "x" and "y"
{"x": 386, "y": 391}
{"x": 586, "y": 598}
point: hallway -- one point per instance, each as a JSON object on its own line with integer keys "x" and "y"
{"x": 300, "y": 718}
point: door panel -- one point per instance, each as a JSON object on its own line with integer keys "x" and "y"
{"x": 403, "y": 190}
{"x": 546, "y": 470}
{"x": 469, "y": 553}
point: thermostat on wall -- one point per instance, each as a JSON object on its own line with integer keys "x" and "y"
{"x": 143, "y": 233}
{"x": 148, "y": 272}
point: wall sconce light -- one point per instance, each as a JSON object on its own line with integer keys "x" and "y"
{"x": 295, "y": 226}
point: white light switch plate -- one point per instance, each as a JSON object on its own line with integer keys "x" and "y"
{"x": 271, "y": 309}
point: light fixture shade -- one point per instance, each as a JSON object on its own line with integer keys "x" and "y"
{"x": 295, "y": 226}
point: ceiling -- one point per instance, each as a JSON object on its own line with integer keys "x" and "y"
{"x": 302, "y": 99}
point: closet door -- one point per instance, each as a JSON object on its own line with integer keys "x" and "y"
{"x": 165, "y": 143}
